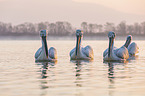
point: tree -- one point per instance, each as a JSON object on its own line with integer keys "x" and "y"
{"x": 52, "y": 29}
{"x": 121, "y": 28}
{"x": 42, "y": 26}
{"x": 100, "y": 28}
{"x": 3, "y": 28}
{"x": 84, "y": 27}
{"x": 68, "y": 28}
{"x": 91, "y": 28}
{"x": 109, "y": 27}
{"x": 60, "y": 29}
{"x": 130, "y": 29}
{"x": 143, "y": 27}
{"x": 137, "y": 28}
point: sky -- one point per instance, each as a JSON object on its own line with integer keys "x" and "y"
{"x": 73, "y": 11}
{"x": 128, "y": 6}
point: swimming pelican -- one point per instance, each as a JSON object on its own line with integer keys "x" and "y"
{"x": 115, "y": 54}
{"x": 43, "y": 54}
{"x": 80, "y": 53}
{"x": 132, "y": 48}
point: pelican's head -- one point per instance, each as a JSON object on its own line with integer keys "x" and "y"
{"x": 129, "y": 37}
{"x": 128, "y": 40}
{"x": 111, "y": 35}
{"x": 79, "y": 33}
{"x": 43, "y": 33}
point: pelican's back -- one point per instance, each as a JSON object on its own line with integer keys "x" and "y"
{"x": 133, "y": 49}
{"x": 72, "y": 52}
{"x": 52, "y": 53}
{"x": 122, "y": 52}
{"x": 105, "y": 52}
{"x": 88, "y": 51}
{"x": 38, "y": 52}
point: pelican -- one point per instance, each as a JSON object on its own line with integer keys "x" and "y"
{"x": 115, "y": 54}
{"x": 43, "y": 54}
{"x": 80, "y": 53}
{"x": 132, "y": 48}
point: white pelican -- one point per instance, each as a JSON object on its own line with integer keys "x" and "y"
{"x": 115, "y": 54}
{"x": 80, "y": 53}
{"x": 132, "y": 48}
{"x": 43, "y": 54}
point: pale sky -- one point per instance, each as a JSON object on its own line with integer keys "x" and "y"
{"x": 73, "y": 11}
{"x": 128, "y": 6}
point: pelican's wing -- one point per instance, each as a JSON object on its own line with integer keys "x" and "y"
{"x": 37, "y": 54}
{"x": 52, "y": 53}
{"x": 133, "y": 49}
{"x": 72, "y": 51}
{"x": 105, "y": 52}
{"x": 122, "y": 52}
{"x": 88, "y": 51}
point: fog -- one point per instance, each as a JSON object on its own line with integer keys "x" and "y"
{"x": 20, "y": 11}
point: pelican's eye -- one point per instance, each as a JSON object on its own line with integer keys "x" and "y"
{"x": 81, "y": 34}
{"x": 113, "y": 35}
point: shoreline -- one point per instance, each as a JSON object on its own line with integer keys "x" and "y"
{"x": 68, "y": 38}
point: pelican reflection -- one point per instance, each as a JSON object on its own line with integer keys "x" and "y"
{"x": 111, "y": 78}
{"x": 115, "y": 74}
{"x": 111, "y": 72}
{"x": 44, "y": 74}
{"x": 78, "y": 68}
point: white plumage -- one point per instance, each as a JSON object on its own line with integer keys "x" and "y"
{"x": 79, "y": 52}
{"x": 132, "y": 48}
{"x": 115, "y": 54}
{"x": 43, "y": 54}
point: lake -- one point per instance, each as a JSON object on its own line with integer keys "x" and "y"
{"x": 21, "y": 76}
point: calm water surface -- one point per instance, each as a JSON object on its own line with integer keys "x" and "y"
{"x": 21, "y": 76}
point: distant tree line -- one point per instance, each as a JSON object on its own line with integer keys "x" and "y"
{"x": 58, "y": 28}
{"x": 66, "y": 29}
{"x": 121, "y": 29}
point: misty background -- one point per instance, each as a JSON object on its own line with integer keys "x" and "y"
{"x": 63, "y": 17}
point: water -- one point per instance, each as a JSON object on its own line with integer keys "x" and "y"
{"x": 21, "y": 76}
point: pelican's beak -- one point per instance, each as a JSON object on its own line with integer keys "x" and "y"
{"x": 110, "y": 45}
{"x": 78, "y": 44}
{"x": 45, "y": 45}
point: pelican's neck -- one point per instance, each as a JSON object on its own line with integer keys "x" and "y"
{"x": 127, "y": 43}
{"x": 111, "y": 45}
{"x": 78, "y": 45}
{"x": 44, "y": 46}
